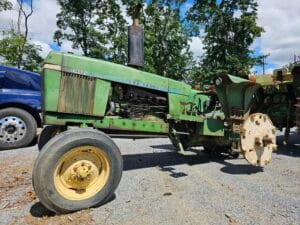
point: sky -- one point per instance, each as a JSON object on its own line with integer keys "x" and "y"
{"x": 280, "y": 19}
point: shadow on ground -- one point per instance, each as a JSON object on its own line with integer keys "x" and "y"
{"x": 167, "y": 160}
{"x": 38, "y": 210}
{"x": 293, "y": 147}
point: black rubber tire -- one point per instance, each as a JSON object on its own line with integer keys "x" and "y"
{"x": 46, "y": 134}
{"x": 31, "y": 126}
{"x": 55, "y": 148}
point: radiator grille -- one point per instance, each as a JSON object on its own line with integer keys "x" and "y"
{"x": 77, "y": 94}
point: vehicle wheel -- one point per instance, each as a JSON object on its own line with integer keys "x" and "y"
{"x": 17, "y": 128}
{"x": 77, "y": 169}
{"x": 47, "y": 133}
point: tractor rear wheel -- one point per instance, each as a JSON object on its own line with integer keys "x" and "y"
{"x": 77, "y": 169}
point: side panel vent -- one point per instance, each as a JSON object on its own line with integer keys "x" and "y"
{"x": 77, "y": 94}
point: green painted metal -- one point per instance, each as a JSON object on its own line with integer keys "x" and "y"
{"x": 237, "y": 96}
{"x": 114, "y": 72}
{"x": 138, "y": 125}
{"x": 101, "y": 96}
{"x": 211, "y": 127}
{"x": 85, "y": 99}
{"x": 50, "y": 92}
{"x": 113, "y": 123}
{"x": 176, "y": 104}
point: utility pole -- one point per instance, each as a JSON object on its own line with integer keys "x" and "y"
{"x": 263, "y": 57}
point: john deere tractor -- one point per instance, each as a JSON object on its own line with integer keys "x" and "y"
{"x": 87, "y": 101}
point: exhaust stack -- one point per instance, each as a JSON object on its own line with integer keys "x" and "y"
{"x": 136, "y": 41}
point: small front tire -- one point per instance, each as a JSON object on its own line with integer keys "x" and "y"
{"x": 77, "y": 169}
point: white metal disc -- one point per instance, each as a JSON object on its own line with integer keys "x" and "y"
{"x": 258, "y": 139}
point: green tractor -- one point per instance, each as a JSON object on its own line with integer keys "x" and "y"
{"x": 87, "y": 101}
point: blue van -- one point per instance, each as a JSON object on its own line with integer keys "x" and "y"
{"x": 20, "y": 107}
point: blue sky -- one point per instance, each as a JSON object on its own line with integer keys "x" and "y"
{"x": 280, "y": 20}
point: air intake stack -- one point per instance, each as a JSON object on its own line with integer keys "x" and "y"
{"x": 136, "y": 41}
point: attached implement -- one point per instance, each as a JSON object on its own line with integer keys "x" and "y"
{"x": 282, "y": 97}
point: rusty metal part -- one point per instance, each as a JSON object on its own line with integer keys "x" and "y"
{"x": 258, "y": 139}
{"x": 73, "y": 101}
{"x": 136, "y": 41}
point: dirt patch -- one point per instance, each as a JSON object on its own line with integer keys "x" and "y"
{"x": 82, "y": 217}
{"x": 15, "y": 184}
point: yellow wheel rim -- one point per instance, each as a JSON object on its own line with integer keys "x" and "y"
{"x": 81, "y": 172}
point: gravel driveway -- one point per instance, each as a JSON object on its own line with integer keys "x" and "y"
{"x": 161, "y": 187}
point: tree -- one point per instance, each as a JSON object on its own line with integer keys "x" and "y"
{"x": 166, "y": 43}
{"x": 116, "y": 35}
{"x": 100, "y": 30}
{"x": 230, "y": 27}
{"x": 5, "y": 5}
{"x": 14, "y": 45}
{"x": 96, "y": 27}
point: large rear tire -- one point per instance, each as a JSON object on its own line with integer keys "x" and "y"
{"x": 17, "y": 128}
{"x": 77, "y": 169}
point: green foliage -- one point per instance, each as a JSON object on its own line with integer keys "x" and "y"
{"x": 230, "y": 28}
{"x": 18, "y": 52}
{"x": 167, "y": 50}
{"x": 100, "y": 30}
{"x": 166, "y": 41}
{"x": 5, "y": 5}
{"x": 96, "y": 27}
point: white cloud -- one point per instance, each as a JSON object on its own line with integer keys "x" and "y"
{"x": 196, "y": 46}
{"x": 44, "y": 46}
{"x": 281, "y": 21}
{"x": 42, "y": 23}
{"x": 67, "y": 47}
{"x": 8, "y": 18}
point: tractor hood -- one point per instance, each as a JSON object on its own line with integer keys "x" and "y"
{"x": 75, "y": 64}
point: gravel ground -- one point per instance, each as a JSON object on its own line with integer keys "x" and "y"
{"x": 161, "y": 187}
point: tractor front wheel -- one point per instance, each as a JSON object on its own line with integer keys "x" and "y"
{"x": 77, "y": 169}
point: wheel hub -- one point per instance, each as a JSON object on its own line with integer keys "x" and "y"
{"x": 81, "y": 175}
{"x": 81, "y": 172}
{"x": 12, "y": 129}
